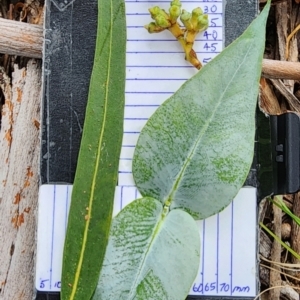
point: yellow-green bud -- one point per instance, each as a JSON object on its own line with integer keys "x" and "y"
{"x": 162, "y": 21}
{"x": 196, "y": 12}
{"x": 160, "y": 16}
{"x": 176, "y": 3}
{"x": 153, "y": 28}
{"x": 154, "y": 11}
{"x": 174, "y": 12}
{"x": 186, "y": 19}
{"x": 164, "y": 13}
{"x": 202, "y": 22}
{"x": 185, "y": 16}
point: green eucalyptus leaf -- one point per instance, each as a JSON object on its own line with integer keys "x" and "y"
{"x": 196, "y": 150}
{"x": 97, "y": 167}
{"x": 151, "y": 254}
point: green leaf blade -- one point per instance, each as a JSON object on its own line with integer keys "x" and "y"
{"x": 143, "y": 242}
{"x": 206, "y": 127}
{"x": 97, "y": 167}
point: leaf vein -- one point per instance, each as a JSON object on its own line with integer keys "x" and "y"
{"x": 193, "y": 148}
{"x": 90, "y": 206}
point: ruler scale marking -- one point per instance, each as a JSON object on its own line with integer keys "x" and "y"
{"x": 217, "y": 260}
{"x": 52, "y": 237}
{"x": 231, "y": 246}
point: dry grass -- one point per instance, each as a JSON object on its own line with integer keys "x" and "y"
{"x": 279, "y": 269}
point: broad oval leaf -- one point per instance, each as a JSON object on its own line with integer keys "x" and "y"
{"x": 196, "y": 150}
{"x": 150, "y": 254}
{"x": 97, "y": 167}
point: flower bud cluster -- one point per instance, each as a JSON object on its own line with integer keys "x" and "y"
{"x": 194, "y": 23}
{"x": 197, "y": 20}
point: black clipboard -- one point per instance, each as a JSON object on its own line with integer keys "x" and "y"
{"x": 70, "y": 35}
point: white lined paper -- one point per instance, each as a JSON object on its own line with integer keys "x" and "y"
{"x": 155, "y": 70}
{"x": 228, "y": 242}
{"x": 54, "y": 203}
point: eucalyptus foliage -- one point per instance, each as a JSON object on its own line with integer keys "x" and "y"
{"x": 191, "y": 159}
{"x": 97, "y": 167}
{"x": 146, "y": 243}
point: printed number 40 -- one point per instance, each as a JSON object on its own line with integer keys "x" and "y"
{"x": 214, "y": 35}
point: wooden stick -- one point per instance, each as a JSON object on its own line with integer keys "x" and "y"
{"x": 275, "y": 278}
{"x": 23, "y": 39}
{"x": 277, "y": 69}
{"x": 295, "y": 233}
{"x": 19, "y": 180}
{"x": 288, "y": 95}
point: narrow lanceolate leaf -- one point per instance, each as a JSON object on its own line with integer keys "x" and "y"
{"x": 96, "y": 174}
{"x": 151, "y": 254}
{"x": 196, "y": 150}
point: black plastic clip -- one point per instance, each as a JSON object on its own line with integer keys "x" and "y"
{"x": 285, "y": 141}
{"x": 278, "y": 154}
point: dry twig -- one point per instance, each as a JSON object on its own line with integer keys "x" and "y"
{"x": 21, "y": 39}
{"x": 277, "y": 69}
{"x": 275, "y": 278}
{"x": 295, "y": 234}
{"x": 290, "y": 97}
{"x": 288, "y": 39}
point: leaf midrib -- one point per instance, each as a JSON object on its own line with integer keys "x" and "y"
{"x": 90, "y": 206}
{"x": 155, "y": 231}
{"x": 193, "y": 148}
{"x": 178, "y": 178}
